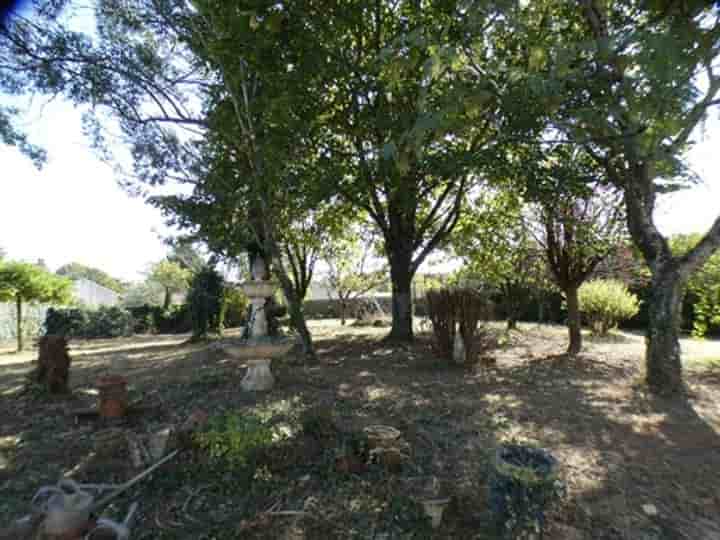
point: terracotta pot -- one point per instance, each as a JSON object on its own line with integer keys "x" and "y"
{"x": 113, "y": 396}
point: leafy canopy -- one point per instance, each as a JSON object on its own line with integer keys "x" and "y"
{"x": 25, "y": 282}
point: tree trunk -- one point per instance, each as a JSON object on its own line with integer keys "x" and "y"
{"x": 401, "y": 275}
{"x": 19, "y": 329}
{"x": 573, "y": 321}
{"x": 663, "y": 367}
{"x": 343, "y": 311}
{"x": 298, "y": 319}
{"x": 662, "y": 353}
{"x": 511, "y": 323}
{"x": 166, "y": 301}
{"x": 297, "y": 314}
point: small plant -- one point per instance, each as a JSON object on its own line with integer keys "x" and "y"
{"x": 606, "y": 302}
{"x": 232, "y": 440}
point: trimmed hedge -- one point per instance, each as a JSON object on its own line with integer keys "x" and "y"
{"x": 112, "y": 322}
{"x": 155, "y": 320}
{"x": 104, "y": 322}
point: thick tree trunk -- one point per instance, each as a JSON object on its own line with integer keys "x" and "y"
{"x": 511, "y": 323}
{"x": 662, "y": 353}
{"x": 401, "y": 275}
{"x": 573, "y": 321}
{"x": 166, "y": 300}
{"x": 19, "y": 328}
{"x": 663, "y": 367}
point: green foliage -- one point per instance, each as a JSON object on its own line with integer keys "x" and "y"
{"x": 235, "y": 308}
{"x": 606, "y": 302}
{"x": 144, "y": 293}
{"x": 149, "y": 319}
{"x": 76, "y": 270}
{"x": 171, "y": 276}
{"x": 231, "y": 440}
{"x": 350, "y": 273}
{"x": 26, "y": 283}
{"x": 703, "y": 287}
{"x": 497, "y": 246}
{"x": 185, "y": 254}
{"x": 206, "y": 297}
{"x": 103, "y": 322}
{"x": 30, "y": 283}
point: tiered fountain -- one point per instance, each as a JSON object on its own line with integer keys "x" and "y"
{"x": 258, "y": 348}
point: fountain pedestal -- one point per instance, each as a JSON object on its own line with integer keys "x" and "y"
{"x": 258, "y": 376}
{"x": 259, "y": 349}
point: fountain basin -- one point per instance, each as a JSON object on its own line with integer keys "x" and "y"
{"x": 252, "y": 349}
{"x": 259, "y": 289}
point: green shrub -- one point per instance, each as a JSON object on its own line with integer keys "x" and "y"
{"x": 104, "y": 322}
{"x": 206, "y": 302}
{"x": 605, "y": 302}
{"x": 65, "y": 322}
{"x": 235, "y": 308}
{"x": 231, "y": 441}
{"x": 150, "y": 319}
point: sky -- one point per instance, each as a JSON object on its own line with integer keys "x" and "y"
{"x": 74, "y": 211}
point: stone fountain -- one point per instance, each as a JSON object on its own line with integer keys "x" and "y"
{"x": 258, "y": 348}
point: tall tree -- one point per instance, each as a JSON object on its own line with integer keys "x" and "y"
{"x": 24, "y": 282}
{"x": 577, "y": 233}
{"x": 406, "y": 122}
{"x": 631, "y": 81}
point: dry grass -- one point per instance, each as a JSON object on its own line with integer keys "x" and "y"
{"x": 620, "y": 448}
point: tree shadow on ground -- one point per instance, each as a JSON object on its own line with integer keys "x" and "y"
{"x": 620, "y": 448}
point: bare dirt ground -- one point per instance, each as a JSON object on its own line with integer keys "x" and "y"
{"x": 620, "y": 448}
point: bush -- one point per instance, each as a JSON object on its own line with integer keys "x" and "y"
{"x": 235, "y": 308}
{"x": 104, "y": 322}
{"x": 150, "y": 319}
{"x": 65, "y": 322}
{"x": 231, "y": 441}
{"x": 605, "y": 302}
{"x": 206, "y": 302}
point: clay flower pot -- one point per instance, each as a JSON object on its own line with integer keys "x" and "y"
{"x": 113, "y": 396}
